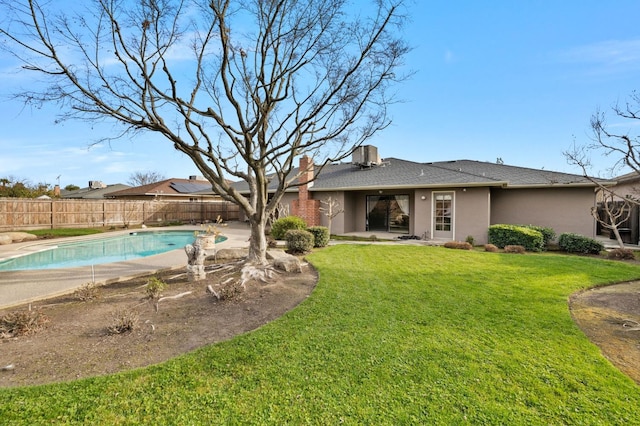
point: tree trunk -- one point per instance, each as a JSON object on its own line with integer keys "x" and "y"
{"x": 614, "y": 228}
{"x": 257, "y": 241}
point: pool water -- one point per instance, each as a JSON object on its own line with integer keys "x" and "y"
{"x": 103, "y": 250}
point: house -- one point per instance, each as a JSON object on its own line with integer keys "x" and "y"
{"x": 96, "y": 190}
{"x": 193, "y": 189}
{"x": 448, "y": 200}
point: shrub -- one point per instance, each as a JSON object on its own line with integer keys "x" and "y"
{"x": 154, "y": 287}
{"x": 299, "y": 241}
{"x": 514, "y": 249}
{"x": 470, "y": 239}
{"x": 21, "y": 323}
{"x": 574, "y": 243}
{"x": 458, "y": 245}
{"x": 320, "y": 235}
{"x": 490, "y": 248}
{"x": 271, "y": 242}
{"x": 124, "y": 321}
{"x": 505, "y": 235}
{"x": 87, "y": 292}
{"x": 548, "y": 234}
{"x": 621, "y": 254}
{"x": 280, "y": 227}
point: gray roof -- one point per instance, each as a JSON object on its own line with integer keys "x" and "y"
{"x": 93, "y": 193}
{"x": 397, "y": 173}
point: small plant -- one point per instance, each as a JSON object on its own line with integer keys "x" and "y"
{"x": 21, "y": 323}
{"x": 621, "y": 254}
{"x": 373, "y": 237}
{"x": 226, "y": 290}
{"x": 87, "y": 292}
{"x": 154, "y": 287}
{"x": 124, "y": 321}
{"x": 470, "y": 240}
{"x": 280, "y": 227}
{"x": 271, "y": 243}
{"x": 490, "y": 248}
{"x": 320, "y": 235}
{"x": 460, "y": 245}
{"x": 514, "y": 249}
{"x": 299, "y": 241}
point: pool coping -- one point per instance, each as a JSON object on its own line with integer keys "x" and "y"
{"x": 20, "y": 287}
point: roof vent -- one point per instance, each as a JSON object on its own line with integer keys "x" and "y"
{"x": 96, "y": 184}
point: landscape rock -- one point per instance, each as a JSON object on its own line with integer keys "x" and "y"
{"x": 231, "y": 253}
{"x": 288, "y": 263}
{"x": 5, "y": 239}
{"x": 18, "y": 237}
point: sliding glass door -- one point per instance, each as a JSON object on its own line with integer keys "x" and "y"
{"x": 388, "y": 213}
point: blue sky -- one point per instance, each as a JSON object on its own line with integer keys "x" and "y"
{"x": 515, "y": 80}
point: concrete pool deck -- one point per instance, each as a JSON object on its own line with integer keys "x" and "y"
{"x": 18, "y": 287}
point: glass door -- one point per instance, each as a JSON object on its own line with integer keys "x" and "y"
{"x": 443, "y": 215}
{"x": 388, "y": 213}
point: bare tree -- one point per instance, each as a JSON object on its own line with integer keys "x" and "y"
{"x": 145, "y": 178}
{"x": 617, "y": 211}
{"x": 623, "y": 148}
{"x": 241, "y": 87}
{"x": 331, "y": 209}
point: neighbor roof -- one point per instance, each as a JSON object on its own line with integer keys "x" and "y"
{"x": 169, "y": 187}
{"x": 93, "y": 193}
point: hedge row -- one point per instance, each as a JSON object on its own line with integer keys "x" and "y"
{"x": 516, "y": 235}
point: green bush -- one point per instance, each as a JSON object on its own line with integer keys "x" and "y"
{"x": 506, "y": 235}
{"x": 280, "y": 227}
{"x": 298, "y": 241}
{"x": 320, "y": 235}
{"x": 548, "y": 234}
{"x": 574, "y": 243}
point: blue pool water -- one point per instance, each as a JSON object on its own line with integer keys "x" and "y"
{"x": 103, "y": 250}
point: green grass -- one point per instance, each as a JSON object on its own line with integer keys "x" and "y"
{"x": 391, "y": 335}
{"x": 65, "y": 232}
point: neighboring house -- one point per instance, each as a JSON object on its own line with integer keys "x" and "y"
{"x": 95, "y": 191}
{"x": 192, "y": 189}
{"x": 448, "y": 200}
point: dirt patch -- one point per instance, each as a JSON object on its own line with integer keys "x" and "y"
{"x": 610, "y": 317}
{"x": 75, "y": 341}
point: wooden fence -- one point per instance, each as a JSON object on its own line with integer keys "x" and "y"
{"x": 25, "y": 214}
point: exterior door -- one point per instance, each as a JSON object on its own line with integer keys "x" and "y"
{"x": 443, "y": 215}
{"x": 388, "y": 213}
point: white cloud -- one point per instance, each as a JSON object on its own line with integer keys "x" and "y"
{"x": 606, "y": 56}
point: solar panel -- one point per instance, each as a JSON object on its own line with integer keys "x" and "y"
{"x": 189, "y": 187}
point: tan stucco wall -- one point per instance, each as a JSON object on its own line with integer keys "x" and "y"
{"x": 563, "y": 209}
{"x": 471, "y": 213}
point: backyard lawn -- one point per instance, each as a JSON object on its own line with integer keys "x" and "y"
{"x": 392, "y": 334}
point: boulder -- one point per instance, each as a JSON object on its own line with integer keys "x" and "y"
{"x": 288, "y": 263}
{"x": 18, "y": 237}
{"x": 231, "y": 253}
{"x": 5, "y": 239}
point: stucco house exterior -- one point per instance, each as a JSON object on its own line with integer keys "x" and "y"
{"x": 448, "y": 200}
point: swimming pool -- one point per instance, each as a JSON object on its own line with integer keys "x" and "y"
{"x": 120, "y": 248}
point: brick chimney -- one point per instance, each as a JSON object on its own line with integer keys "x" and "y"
{"x": 306, "y": 207}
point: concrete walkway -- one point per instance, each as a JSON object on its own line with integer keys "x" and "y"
{"x": 18, "y": 287}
